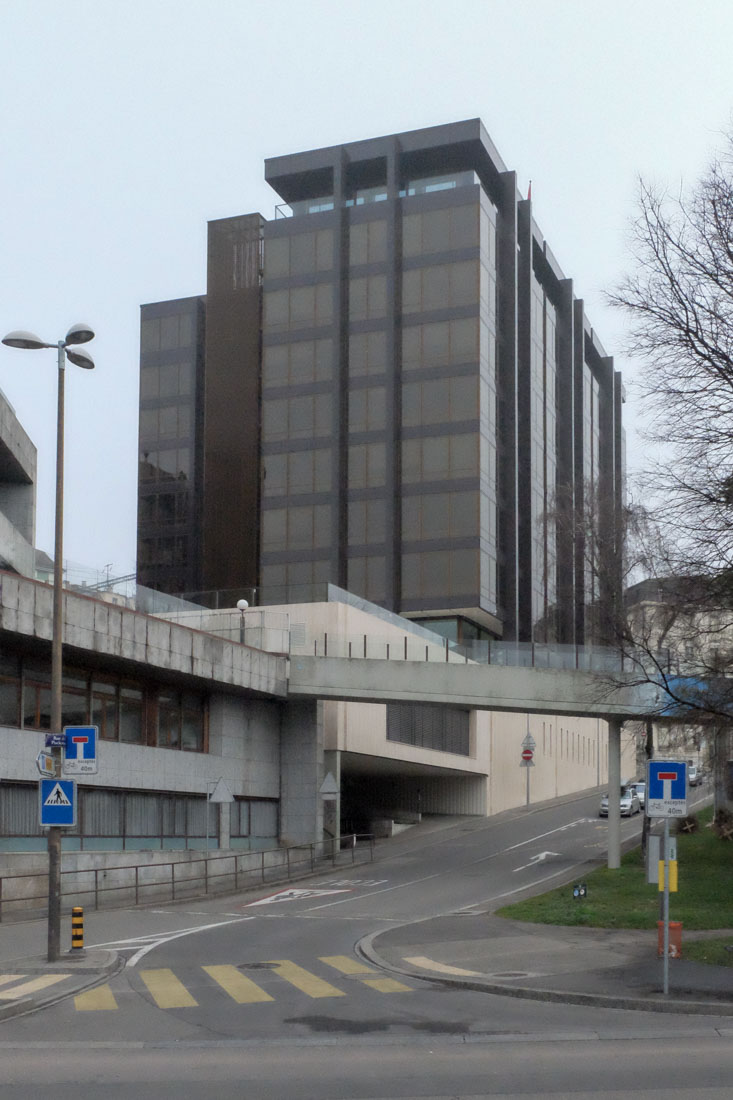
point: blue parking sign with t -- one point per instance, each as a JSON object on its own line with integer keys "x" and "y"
{"x": 57, "y": 802}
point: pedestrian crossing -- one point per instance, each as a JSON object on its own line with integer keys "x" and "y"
{"x": 168, "y": 990}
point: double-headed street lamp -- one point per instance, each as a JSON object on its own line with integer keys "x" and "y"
{"x": 77, "y": 334}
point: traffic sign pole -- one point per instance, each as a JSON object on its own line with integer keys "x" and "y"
{"x": 665, "y": 970}
{"x": 528, "y": 746}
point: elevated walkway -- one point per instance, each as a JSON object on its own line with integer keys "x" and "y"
{"x": 597, "y": 694}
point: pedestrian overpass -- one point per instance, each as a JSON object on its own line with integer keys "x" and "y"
{"x": 606, "y": 692}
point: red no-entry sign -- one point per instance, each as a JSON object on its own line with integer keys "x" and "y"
{"x": 527, "y": 754}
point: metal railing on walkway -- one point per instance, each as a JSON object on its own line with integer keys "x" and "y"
{"x": 410, "y": 647}
{"x": 24, "y": 896}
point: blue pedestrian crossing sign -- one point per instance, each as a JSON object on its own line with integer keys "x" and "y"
{"x": 57, "y": 802}
{"x": 80, "y": 750}
{"x": 666, "y": 788}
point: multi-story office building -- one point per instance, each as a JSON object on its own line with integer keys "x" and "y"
{"x": 390, "y": 386}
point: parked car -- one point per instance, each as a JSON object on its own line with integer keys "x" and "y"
{"x": 640, "y": 789}
{"x": 629, "y": 803}
{"x": 693, "y": 775}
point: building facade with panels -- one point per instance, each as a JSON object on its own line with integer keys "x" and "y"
{"x": 399, "y": 394}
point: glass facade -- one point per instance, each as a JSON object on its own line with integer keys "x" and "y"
{"x": 422, "y": 390}
{"x": 171, "y": 337}
{"x": 298, "y": 401}
{"x": 448, "y": 401}
{"x": 543, "y": 462}
{"x": 591, "y": 473}
{"x": 387, "y": 446}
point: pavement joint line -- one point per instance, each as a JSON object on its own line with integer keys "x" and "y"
{"x": 150, "y": 1046}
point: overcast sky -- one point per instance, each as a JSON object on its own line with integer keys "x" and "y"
{"x": 127, "y": 125}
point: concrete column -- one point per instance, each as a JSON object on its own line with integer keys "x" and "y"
{"x": 301, "y": 772}
{"x": 614, "y": 793}
{"x": 332, "y": 808}
{"x": 224, "y": 825}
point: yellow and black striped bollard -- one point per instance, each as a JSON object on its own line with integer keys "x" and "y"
{"x": 77, "y": 928}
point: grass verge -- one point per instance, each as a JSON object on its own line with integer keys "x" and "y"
{"x": 718, "y": 951}
{"x": 623, "y": 899}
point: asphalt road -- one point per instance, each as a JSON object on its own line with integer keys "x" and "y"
{"x": 266, "y": 996}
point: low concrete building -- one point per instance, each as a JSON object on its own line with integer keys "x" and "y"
{"x": 184, "y": 697}
{"x": 17, "y": 493}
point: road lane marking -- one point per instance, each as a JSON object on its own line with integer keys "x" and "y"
{"x": 530, "y": 885}
{"x": 5, "y": 978}
{"x": 346, "y": 964}
{"x": 439, "y": 874}
{"x": 386, "y": 985}
{"x": 441, "y": 968}
{"x": 156, "y": 939}
{"x": 240, "y": 988}
{"x": 539, "y": 858}
{"x": 371, "y": 893}
{"x": 304, "y": 980}
{"x": 366, "y": 974}
{"x": 33, "y": 986}
{"x": 532, "y": 839}
{"x": 294, "y": 895}
{"x": 101, "y": 999}
{"x": 166, "y": 990}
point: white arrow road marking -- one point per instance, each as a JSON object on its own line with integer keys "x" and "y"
{"x": 156, "y": 939}
{"x": 539, "y": 858}
{"x": 295, "y": 895}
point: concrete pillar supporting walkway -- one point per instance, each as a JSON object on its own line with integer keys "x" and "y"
{"x": 614, "y": 793}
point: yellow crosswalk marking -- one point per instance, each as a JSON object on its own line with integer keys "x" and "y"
{"x": 42, "y": 982}
{"x": 345, "y": 964}
{"x": 240, "y": 988}
{"x": 5, "y": 978}
{"x": 166, "y": 990}
{"x": 386, "y": 985}
{"x": 440, "y": 968}
{"x": 169, "y": 992}
{"x": 101, "y": 999}
{"x": 351, "y": 966}
{"x": 304, "y": 980}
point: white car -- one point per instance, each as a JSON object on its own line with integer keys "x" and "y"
{"x": 629, "y": 803}
{"x": 640, "y": 789}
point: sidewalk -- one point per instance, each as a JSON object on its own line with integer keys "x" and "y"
{"x": 29, "y": 981}
{"x": 591, "y": 966}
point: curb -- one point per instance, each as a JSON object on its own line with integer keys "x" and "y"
{"x": 110, "y": 965}
{"x": 366, "y": 947}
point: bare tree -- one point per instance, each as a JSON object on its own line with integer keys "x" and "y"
{"x": 670, "y": 627}
{"x": 679, "y": 301}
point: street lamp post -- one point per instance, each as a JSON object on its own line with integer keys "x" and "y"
{"x": 242, "y": 606}
{"x": 77, "y": 334}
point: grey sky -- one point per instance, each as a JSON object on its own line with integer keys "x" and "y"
{"x": 127, "y": 125}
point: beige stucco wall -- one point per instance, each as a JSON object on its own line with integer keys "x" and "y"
{"x": 571, "y": 754}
